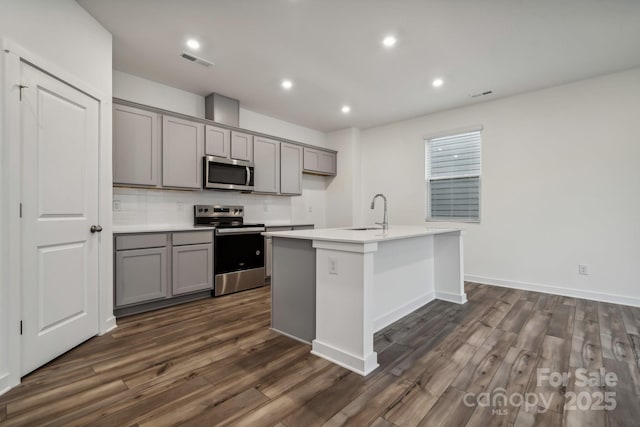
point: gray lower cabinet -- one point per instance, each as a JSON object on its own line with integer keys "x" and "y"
{"x": 154, "y": 270}
{"x": 182, "y": 153}
{"x": 141, "y": 275}
{"x": 290, "y": 169}
{"x": 136, "y": 146}
{"x": 192, "y": 268}
{"x": 266, "y": 156}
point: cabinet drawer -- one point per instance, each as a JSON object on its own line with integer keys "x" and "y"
{"x": 192, "y": 238}
{"x": 141, "y": 241}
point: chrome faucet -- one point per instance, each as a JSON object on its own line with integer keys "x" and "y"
{"x": 385, "y": 218}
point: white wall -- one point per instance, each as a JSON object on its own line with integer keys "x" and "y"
{"x": 175, "y": 207}
{"x": 66, "y": 37}
{"x": 560, "y": 185}
{"x": 345, "y": 189}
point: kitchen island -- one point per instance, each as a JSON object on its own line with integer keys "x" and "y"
{"x": 334, "y": 288}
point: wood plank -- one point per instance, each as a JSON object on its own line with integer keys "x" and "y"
{"x": 532, "y": 333}
{"x": 561, "y": 322}
{"x": 627, "y": 393}
{"x": 537, "y": 417}
{"x": 574, "y": 414}
{"x": 221, "y": 412}
{"x": 412, "y": 407}
{"x": 477, "y": 374}
{"x": 585, "y": 346}
{"x": 449, "y": 410}
{"x": 517, "y": 316}
{"x": 513, "y": 378}
{"x": 613, "y": 335}
{"x": 554, "y": 358}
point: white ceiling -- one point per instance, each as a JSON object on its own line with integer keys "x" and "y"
{"x": 332, "y": 50}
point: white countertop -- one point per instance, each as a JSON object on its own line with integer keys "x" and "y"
{"x": 156, "y": 228}
{"x": 362, "y": 236}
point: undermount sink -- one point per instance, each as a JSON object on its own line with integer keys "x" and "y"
{"x": 364, "y": 228}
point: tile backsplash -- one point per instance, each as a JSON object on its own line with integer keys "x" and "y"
{"x": 132, "y": 206}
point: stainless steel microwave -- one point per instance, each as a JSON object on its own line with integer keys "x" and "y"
{"x": 227, "y": 174}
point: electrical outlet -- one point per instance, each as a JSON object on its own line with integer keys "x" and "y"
{"x": 117, "y": 205}
{"x": 583, "y": 270}
{"x": 333, "y": 265}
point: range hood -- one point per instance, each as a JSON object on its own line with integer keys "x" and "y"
{"x": 222, "y": 109}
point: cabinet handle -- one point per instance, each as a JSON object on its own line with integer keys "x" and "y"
{"x": 95, "y": 228}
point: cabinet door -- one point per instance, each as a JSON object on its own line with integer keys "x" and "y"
{"x": 141, "y": 275}
{"x": 182, "y": 153}
{"x": 266, "y": 156}
{"x": 136, "y": 146}
{"x": 192, "y": 268}
{"x": 327, "y": 162}
{"x": 217, "y": 141}
{"x": 242, "y": 146}
{"x": 311, "y": 159}
{"x": 290, "y": 169}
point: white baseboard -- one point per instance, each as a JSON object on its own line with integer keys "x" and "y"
{"x": 290, "y": 336}
{"x": 456, "y": 298}
{"x": 397, "y": 314}
{"x": 108, "y": 325}
{"x": 359, "y": 365}
{"x": 556, "y": 290}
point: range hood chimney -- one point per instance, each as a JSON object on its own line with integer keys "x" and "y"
{"x": 222, "y": 109}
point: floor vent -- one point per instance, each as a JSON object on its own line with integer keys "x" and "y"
{"x": 193, "y": 58}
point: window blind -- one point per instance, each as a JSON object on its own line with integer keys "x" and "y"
{"x": 452, "y": 173}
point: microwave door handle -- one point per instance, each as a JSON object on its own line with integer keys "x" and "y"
{"x": 248, "y": 175}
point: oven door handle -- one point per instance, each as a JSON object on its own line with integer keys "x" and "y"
{"x": 245, "y": 230}
{"x": 248, "y": 175}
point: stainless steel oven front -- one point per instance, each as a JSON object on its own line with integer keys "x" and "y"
{"x": 239, "y": 259}
{"x": 227, "y": 174}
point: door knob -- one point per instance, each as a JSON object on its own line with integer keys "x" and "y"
{"x": 95, "y": 228}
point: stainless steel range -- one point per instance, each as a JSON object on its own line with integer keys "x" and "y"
{"x": 238, "y": 251}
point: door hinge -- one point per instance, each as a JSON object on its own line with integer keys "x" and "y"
{"x": 20, "y": 210}
{"x": 22, "y": 87}
{"x": 21, "y": 327}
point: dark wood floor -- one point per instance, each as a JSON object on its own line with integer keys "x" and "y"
{"x": 216, "y": 362}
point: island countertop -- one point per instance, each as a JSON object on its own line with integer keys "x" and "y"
{"x": 349, "y": 235}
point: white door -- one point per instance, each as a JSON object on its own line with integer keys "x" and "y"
{"x": 59, "y": 206}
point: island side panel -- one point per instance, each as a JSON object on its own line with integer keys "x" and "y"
{"x": 293, "y": 288}
{"x": 344, "y": 304}
{"x": 449, "y": 267}
{"x": 403, "y": 277}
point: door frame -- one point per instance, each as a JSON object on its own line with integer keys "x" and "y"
{"x": 11, "y": 160}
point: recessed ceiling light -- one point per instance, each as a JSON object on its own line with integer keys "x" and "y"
{"x": 437, "y": 82}
{"x": 287, "y": 84}
{"x": 389, "y": 41}
{"x": 193, "y": 44}
{"x": 346, "y": 109}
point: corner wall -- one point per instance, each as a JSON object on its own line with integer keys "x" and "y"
{"x": 559, "y": 187}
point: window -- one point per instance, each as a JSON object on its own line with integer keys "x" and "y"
{"x": 452, "y": 173}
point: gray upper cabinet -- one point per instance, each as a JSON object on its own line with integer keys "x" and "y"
{"x": 319, "y": 161}
{"x": 290, "y": 169}
{"x": 141, "y": 275}
{"x": 266, "y": 156}
{"x": 192, "y": 268}
{"x": 241, "y": 146}
{"x": 136, "y": 146}
{"x": 182, "y": 153}
{"x": 217, "y": 141}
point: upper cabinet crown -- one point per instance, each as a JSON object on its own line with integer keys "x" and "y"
{"x": 319, "y": 162}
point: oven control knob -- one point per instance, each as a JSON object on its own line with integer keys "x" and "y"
{"x": 257, "y": 252}
{"x": 206, "y": 210}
